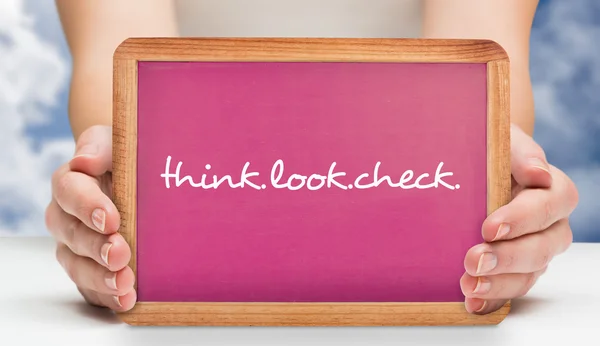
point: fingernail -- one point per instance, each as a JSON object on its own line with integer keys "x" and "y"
{"x": 111, "y": 281}
{"x": 487, "y": 262}
{"x": 104, "y": 252}
{"x": 502, "y": 231}
{"x": 482, "y": 306}
{"x": 471, "y": 309}
{"x": 87, "y": 150}
{"x": 483, "y": 286}
{"x": 98, "y": 219}
{"x": 117, "y": 301}
{"x": 535, "y": 162}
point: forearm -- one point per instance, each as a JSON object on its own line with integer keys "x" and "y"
{"x": 508, "y": 22}
{"x": 94, "y": 29}
{"x": 90, "y": 99}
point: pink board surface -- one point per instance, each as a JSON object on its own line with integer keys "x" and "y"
{"x": 270, "y": 241}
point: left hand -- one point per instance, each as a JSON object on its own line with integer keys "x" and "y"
{"x": 523, "y": 236}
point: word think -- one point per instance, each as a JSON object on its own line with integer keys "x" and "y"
{"x": 312, "y": 182}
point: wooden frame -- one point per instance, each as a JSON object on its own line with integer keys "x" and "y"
{"x": 126, "y": 59}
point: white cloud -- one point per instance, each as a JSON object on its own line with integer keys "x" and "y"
{"x": 565, "y": 68}
{"x": 32, "y": 74}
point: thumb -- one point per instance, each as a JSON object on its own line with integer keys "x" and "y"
{"x": 529, "y": 166}
{"x": 93, "y": 152}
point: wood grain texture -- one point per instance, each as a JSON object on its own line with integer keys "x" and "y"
{"x": 498, "y": 134}
{"x": 125, "y": 149}
{"x": 130, "y": 52}
{"x": 310, "y": 49}
{"x": 308, "y": 314}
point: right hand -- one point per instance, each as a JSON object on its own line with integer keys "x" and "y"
{"x": 84, "y": 221}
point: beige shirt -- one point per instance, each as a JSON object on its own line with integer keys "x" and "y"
{"x": 300, "y": 18}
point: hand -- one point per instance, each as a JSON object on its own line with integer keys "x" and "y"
{"x": 523, "y": 236}
{"x": 84, "y": 221}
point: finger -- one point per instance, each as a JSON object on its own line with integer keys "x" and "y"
{"x": 87, "y": 274}
{"x": 532, "y": 210}
{"x": 80, "y": 195}
{"x": 110, "y": 251}
{"x": 91, "y": 297}
{"x": 120, "y": 303}
{"x": 526, "y": 254}
{"x": 116, "y": 303}
{"x": 482, "y": 307}
{"x": 93, "y": 152}
{"x": 529, "y": 166}
{"x": 502, "y": 286}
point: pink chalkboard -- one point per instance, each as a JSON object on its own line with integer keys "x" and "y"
{"x": 308, "y": 181}
{"x": 327, "y": 243}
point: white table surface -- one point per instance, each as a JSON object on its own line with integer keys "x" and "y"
{"x": 40, "y": 306}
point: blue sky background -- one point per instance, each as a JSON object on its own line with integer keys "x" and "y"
{"x": 34, "y": 72}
